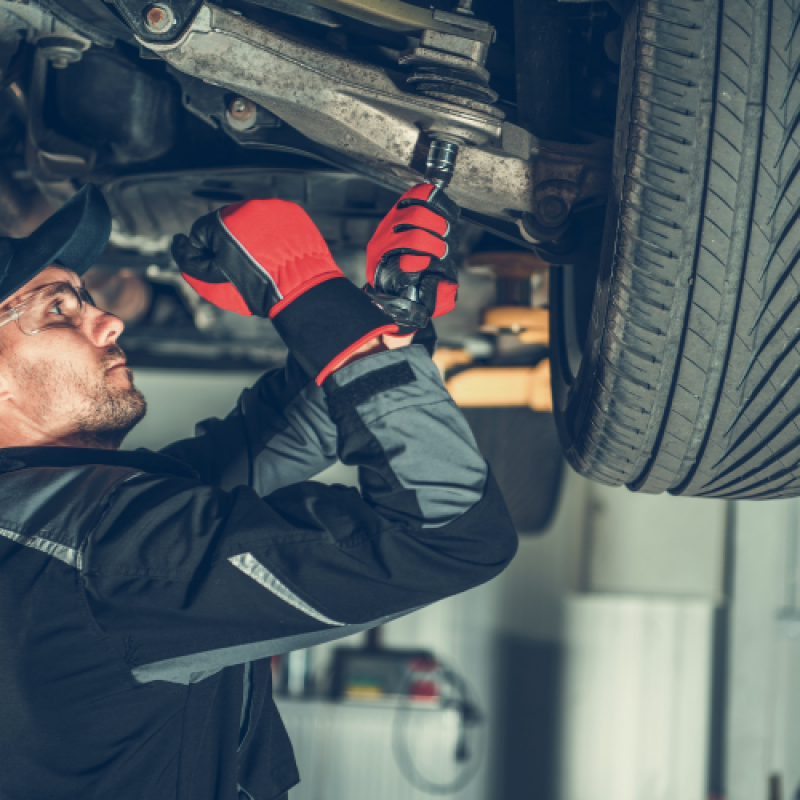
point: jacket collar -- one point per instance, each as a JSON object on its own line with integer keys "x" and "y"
{"x": 16, "y": 458}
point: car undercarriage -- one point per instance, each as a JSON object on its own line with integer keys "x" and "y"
{"x": 637, "y": 158}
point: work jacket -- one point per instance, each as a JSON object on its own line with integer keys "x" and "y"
{"x": 142, "y": 593}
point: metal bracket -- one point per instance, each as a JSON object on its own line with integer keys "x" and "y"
{"x": 151, "y": 26}
{"x": 357, "y": 109}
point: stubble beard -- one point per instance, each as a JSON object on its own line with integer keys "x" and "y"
{"x": 112, "y": 415}
{"x": 106, "y": 414}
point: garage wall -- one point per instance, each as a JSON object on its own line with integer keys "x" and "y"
{"x": 177, "y": 399}
{"x": 639, "y": 639}
{"x": 763, "y": 694}
{"x": 643, "y": 544}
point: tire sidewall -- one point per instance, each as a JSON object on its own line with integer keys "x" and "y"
{"x": 574, "y": 395}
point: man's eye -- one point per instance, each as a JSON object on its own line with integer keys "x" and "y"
{"x": 56, "y": 308}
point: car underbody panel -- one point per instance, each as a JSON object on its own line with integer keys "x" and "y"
{"x": 375, "y": 118}
{"x": 356, "y": 109}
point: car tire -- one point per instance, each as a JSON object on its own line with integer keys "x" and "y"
{"x": 676, "y": 358}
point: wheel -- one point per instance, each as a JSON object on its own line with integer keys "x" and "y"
{"x": 675, "y": 363}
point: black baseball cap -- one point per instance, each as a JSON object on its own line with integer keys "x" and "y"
{"x": 73, "y": 238}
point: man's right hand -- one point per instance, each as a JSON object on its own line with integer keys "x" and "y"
{"x": 266, "y": 257}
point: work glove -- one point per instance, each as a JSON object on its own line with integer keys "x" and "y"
{"x": 410, "y": 254}
{"x": 267, "y": 258}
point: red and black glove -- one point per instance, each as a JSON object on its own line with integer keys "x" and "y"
{"x": 267, "y": 258}
{"x": 409, "y": 255}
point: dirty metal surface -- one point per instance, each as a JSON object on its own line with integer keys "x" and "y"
{"x": 358, "y": 110}
{"x": 140, "y": 16}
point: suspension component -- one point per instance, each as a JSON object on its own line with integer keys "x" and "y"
{"x": 451, "y": 68}
{"x": 441, "y": 162}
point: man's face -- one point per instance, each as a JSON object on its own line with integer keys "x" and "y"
{"x": 68, "y": 386}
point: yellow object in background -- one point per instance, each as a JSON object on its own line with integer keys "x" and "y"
{"x": 503, "y": 386}
{"x": 446, "y": 358}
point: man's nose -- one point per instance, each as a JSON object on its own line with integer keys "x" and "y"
{"x": 104, "y": 328}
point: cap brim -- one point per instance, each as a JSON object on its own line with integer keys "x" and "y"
{"x": 73, "y": 237}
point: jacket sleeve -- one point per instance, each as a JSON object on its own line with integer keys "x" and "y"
{"x": 279, "y": 433}
{"x": 186, "y": 579}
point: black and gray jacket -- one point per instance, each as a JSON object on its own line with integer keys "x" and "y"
{"x": 141, "y": 593}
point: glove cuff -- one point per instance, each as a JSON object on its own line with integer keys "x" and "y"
{"x": 328, "y": 322}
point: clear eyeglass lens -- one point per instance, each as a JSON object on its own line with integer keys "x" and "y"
{"x": 57, "y": 307}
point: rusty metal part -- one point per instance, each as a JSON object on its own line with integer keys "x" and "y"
{"x": 159, "y": 18}
{"x": 345, "y": 104}
{"x": 156, "y": 22}
{"x": 499, "y": 186}
{"x": 241, "y": 109}
{"x": 241, "y": 113}
{"x": 552, "y": 210}
{"x": 405, "y": 18}
{"x": 356, "y": 109}
{"x": 552, "y": 203}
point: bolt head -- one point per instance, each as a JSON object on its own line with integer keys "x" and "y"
{"x": 159, "y": 18}
{"x": 241, "y": 109}
{"x": 552, "y": 210}
{"x": 61, "y": 56}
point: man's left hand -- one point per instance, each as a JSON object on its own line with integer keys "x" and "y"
{"x": 266, "y": 257}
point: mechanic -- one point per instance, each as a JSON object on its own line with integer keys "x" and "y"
{"x": 142, "y": 593}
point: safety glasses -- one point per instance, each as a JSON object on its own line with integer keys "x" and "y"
{"x": 55, "y": 305}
